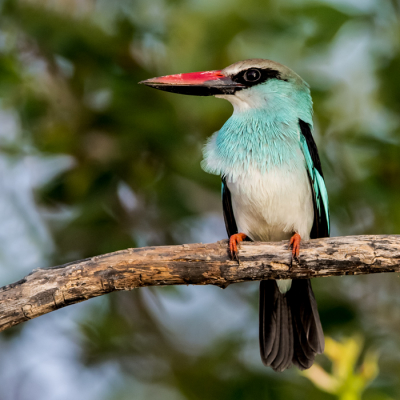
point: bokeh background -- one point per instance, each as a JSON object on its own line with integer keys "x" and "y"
{"x": 91, "y": 162}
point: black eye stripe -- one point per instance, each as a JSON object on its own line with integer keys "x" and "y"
{"x": 259, "y": 75}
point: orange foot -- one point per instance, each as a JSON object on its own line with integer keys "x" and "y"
{"x": 295, "y": 243}
{"x": 233, "y": 242}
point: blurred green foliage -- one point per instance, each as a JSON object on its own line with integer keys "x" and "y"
{"x": 348, "y": 380}
{"x": 127, "y": 171}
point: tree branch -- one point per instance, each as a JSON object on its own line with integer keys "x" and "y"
{"x": 46, "y": 290}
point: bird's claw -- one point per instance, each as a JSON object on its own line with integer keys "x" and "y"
{"x": 295, "y": 245}
{"x": 233, "y": 244}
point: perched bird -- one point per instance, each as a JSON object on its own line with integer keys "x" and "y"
{"x": 272, "y": 188}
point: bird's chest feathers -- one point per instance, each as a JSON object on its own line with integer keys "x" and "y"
{"x": 253, "y": 141}
{"x": 274, "y": 205}
{"x": 266, "y": 174}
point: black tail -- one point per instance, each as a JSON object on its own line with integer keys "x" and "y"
{"x": 290, "y": 329}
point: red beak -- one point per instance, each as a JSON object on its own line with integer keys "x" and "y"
{"x": 207, "y": 83}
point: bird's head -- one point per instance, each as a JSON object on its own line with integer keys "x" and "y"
{"x": 250, "y": 84}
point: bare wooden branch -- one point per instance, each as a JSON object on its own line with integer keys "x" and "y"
{"x": 46, "y": 290}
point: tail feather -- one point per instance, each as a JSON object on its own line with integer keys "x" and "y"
{"x": 284, "y": 357}
{"x": 290, "y": 328}
{"x": 318, "y": 332}
{"x": 271, "y": 325}
{"x": 268, "y": 298}
{"x": 273, "y": 357}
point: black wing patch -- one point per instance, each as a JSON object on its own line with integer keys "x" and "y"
{"x": 230, "y": 222}
{"x": 321, "y": 222}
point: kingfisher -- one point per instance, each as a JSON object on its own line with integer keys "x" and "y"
{"x": 273, "y": 188}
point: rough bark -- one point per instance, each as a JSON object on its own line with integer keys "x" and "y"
{"x": 46, "y": 290}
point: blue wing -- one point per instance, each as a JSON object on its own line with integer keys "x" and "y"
{"x": 321, "y": 226}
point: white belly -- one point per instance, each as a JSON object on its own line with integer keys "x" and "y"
{"x": 274, "y": 205}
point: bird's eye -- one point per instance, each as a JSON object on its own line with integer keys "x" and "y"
{"x": 252, "y": 75}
